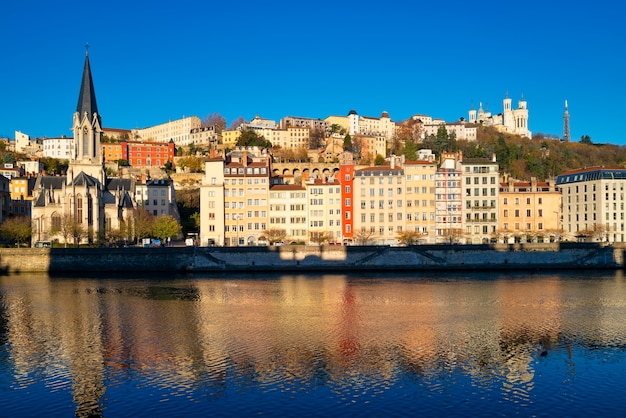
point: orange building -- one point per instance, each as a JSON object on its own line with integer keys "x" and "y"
{"x": 139, "y": 154}
{"x": 529, "y": 211}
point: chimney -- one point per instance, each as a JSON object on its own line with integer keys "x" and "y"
{"x": 493, "y": 157}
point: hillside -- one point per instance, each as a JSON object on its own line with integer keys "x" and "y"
{"x": 540, "y": 157}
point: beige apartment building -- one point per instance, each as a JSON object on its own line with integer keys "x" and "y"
{"x": 324, "y": 209}
{"x": 379, "y": 213}
{"x": 419, "y": 183}
{"x": 212, "y": 204}
{"x": 288, "y": 212}
{"x": 371, "y": 146}
{"x": 461, "y": 130}
{"x": 247, "y": 173}
{"x": 481, "y": 188}
{"x": 365, "y": 125}
{"x": 292, "y": 137}
{"x": 178, "y": 131}
{"x": 448, "y": 200}
{"x": 593, "y": 203}
{"x": 206, "y": 135}
{"x": 310, "y": 123}
{"x": 529, "y": 211}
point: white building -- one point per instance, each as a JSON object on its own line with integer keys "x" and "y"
{"x": 22, "y": 141}
{"x": 593, "y": 203}
{"x": 324, "y": 209}
{"x": 511, "y": 120}
{"x": 33, "y": 168}
{"x": 158, "y": 197}
{"x": 59, "y": 148}
{"x": 288, "y": 211}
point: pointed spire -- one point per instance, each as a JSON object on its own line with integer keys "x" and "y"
{"x": 87, "y": 96}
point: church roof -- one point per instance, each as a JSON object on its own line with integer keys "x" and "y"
{"x": 47, "y": 183}
{"x": 87, "y": 95}
{"x": 115, "y": 183}
{"x": 83, "y": 179}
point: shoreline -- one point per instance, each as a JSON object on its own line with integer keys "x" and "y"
{"x": 284, "y": 259}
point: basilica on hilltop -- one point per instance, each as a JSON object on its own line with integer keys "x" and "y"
{"x": 84, "y": 196}
{"x": 511, "y": 120}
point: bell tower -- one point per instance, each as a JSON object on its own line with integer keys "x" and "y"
{"x": 87, "y": 127}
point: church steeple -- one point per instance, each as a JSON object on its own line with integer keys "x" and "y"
{"x": 87, "y": 127}
{"x": 87, "y": 96}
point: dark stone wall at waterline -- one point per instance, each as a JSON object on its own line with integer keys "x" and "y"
{"x": 310, "y": 258}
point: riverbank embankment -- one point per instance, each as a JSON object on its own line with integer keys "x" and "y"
{"x": 312, "y": 258}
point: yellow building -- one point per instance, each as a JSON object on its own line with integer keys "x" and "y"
{"x": 247, "y": 174}
{"x": 419, "y": 180}
{"x": 529, "y": 211}
{"x": 230, "y": 137}
{"x": 293, "y": 137}
{"x": 341, "y": 121}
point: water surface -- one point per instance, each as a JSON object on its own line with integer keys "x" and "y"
{"x": 314, "y": 345}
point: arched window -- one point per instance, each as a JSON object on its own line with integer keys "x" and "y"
{"x": 89, "y": 210}
{"x": 85, "y": 142}
{"x": 56, "y": 221}
{"x": 79, "y": 209}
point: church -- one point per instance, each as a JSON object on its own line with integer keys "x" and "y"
{"x": 84, "y": 201}
{"x": 511, "y": 120}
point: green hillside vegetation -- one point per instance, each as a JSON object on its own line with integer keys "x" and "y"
{"x": 542, "y": 157}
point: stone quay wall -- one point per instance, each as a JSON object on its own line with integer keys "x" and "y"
{"x": 167, "y": 260}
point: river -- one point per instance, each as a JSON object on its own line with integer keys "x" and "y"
{"x": 434, "y": 344}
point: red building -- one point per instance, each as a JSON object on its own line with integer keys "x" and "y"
{"x": 140, "y": 154}
{"x": 346, "y": 178}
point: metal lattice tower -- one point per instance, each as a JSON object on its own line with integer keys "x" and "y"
{"x": 566, "y": 124}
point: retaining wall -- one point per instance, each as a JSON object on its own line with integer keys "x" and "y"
{"x": 311, "y": 258}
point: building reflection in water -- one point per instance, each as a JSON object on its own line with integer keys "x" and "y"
{"x": 183, "y": 336}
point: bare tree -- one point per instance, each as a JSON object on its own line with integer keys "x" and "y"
{"x": 597, "y": 232}
{"x": 237, "y": 122}
{"x": 364, "y": 237}
{"x": 216, "y": 120}
{"x": 275, "y": 235}
{"x": 316, "y": 138}
{"x": 319, "y": 237}
{"x": 78, "y": 232}
{"x": 409, "y": 237}
{"x": 65, "y": 228}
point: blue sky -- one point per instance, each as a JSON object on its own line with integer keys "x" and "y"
{"x": 155, "y": 61}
